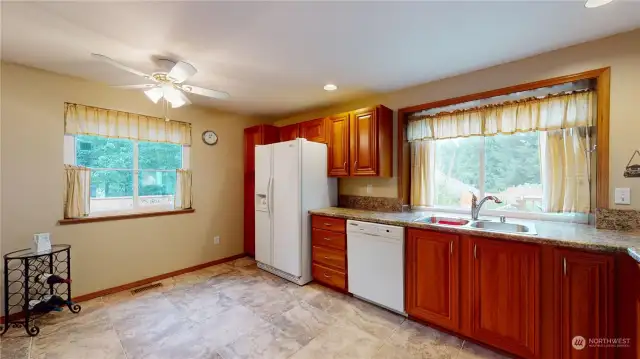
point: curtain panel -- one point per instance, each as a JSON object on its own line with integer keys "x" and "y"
{"x": 553, "y": 112}
{"x": 87, "y": 120}
{"x": 183, "y": 198}
{"x": 77, "y": 191}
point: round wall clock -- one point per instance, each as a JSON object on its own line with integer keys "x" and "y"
{"x": 209, "y": 137}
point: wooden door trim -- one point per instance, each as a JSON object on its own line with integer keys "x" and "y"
{"x": 603, "y": 81}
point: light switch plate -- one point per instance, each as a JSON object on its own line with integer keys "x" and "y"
{"x": 623, "y": 196}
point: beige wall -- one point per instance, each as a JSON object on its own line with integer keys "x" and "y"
{"x": 109, "y": 254}
{"x": 620, "y": 52}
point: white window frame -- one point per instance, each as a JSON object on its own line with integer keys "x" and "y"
{"x": 70, "y": 159}
{"x": 566, "y": 217}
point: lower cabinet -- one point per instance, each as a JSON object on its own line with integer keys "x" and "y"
{"x": 505, "y": 287}
{"x": 432, "y": 271}
{"x": 584, "y": 290}
{"x": 529, "y": 300}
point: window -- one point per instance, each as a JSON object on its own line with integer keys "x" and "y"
{"x": 128, "y": 175}
{"x": 506, "y": 166}
{"x": 534, "y": 154}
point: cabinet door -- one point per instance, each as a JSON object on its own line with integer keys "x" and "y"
{"x": 584, "y": 287}
{"x": 505, "y": 295}
{"x": 364, "y": 143}
{"x": 338, "y": 156}
{"x": 432, "y": 277}
{"x": 314, "y": 130}
{"x": 288, "y": 133}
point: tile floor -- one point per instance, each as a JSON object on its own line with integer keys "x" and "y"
{"x": 229, "y": 311}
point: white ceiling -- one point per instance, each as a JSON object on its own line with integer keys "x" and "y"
{"x": 274, "y": 57}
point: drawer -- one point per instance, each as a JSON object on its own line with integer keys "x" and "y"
{"x": 330, "y": 239}
{"x": 329, "y": 276}
{"x": 330, "y": 257}
{"x": 329, "y": 223}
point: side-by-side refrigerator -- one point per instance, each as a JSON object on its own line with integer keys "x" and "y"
{"x": 291, "y": 179}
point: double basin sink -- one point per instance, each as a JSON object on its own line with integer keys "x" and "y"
{"x": 485, "y": 225}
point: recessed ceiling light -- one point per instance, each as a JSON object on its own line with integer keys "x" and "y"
{"x": 330, "y": 87}
{"x": 596, "y": 3}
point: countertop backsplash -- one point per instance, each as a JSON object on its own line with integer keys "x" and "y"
{"x": 618, "y": 219}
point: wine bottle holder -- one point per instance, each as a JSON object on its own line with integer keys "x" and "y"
{"x": 21, "y": 270}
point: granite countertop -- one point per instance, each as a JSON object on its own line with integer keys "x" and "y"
{"x": 554, "y": 233}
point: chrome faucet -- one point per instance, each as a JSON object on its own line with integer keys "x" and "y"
{"x": 475, "y": 206}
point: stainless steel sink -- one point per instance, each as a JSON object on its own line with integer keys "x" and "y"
{"x": 503, "y": 227}
{"x": 448, "y": 221}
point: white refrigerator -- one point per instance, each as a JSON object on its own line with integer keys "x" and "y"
{"x": 291, "y": 179}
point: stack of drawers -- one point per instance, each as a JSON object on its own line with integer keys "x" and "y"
{"x": 329, "y": 251}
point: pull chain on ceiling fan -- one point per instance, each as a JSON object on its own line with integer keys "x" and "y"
{"x": 168, "y": 86}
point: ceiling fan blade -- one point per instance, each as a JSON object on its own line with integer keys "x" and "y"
{"x": 182, "y": 71}
{"x": 115, "y": 63}
{"x": 135, "y": 87}
{"x": 185, "y": 98}
{"x": 221, "y": 95}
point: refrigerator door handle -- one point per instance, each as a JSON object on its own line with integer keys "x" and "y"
{"x": 269, "y": 196}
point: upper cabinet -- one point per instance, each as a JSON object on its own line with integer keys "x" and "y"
{"x": 314, "y": 130}
{"x": 291, "y": 132}
{"x": 360, "y": 143}
{"x": 338, "y": 152}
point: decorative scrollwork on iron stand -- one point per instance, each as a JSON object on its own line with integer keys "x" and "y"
{"x": 24, "y": 287}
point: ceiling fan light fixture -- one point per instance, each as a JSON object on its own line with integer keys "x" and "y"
{"x": 154, "y": 94}
{"x": 330, "y": 87}
{"x": 596, "y": 3}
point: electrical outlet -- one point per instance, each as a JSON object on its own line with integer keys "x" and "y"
{"x": 369, "y": 189}
{"x": 216, "y": 240}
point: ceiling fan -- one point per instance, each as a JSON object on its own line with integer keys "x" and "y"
{"x": 168, "y": 84}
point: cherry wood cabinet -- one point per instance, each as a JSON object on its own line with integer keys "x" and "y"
{"x": 329, "y": 251}
{"x": 371, "y": 141}
{"x": 338, "y": 150}
{"x": 505, "y": 291}
{"x": 627, "y": 305}
{"x": 432, "y": 277}
{"x": 290, "y": 132}
{"x": 584, "y": 297}
{"x": 314, "y": 130}
{"x": 256, "y": 135}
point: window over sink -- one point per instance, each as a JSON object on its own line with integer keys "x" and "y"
{"x": 533, "y": 153}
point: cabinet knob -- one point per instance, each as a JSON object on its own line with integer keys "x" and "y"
{"x": 328, "y": 224}
{"x": 326, "y": 275}
{"x": 326, "y": 257}
{"x": 345, "y": 164}
{"x": 327, "y": 238}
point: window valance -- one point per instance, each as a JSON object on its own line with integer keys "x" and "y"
{"x": 552, "y": 112}
{"x": 87, "y": 120}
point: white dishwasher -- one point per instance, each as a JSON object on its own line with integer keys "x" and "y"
{"x": 375, "y": 257}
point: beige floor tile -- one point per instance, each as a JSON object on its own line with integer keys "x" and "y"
{"x": 340, "y": 341}
{"x": 415, "y": 341}
{"x": 243, "y": 262}
{"x": 15, "y": 344}
{"x": 303, "y": 322}
{"x": 474, "y": 351}
{"x": 200, "y": 302}
{"x": 269, "y": 342}
{"x": 376, "y": 321}
{"x": 229, "y": 325}
{"x": 88, "y": 337}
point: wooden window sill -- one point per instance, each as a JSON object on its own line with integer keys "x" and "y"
{"x": 118, "y": 217}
